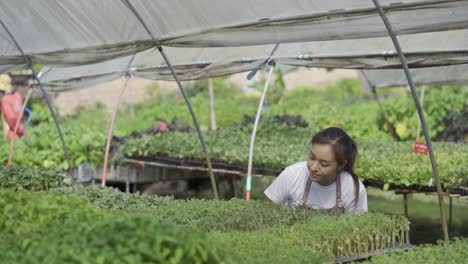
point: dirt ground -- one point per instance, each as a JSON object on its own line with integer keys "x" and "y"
{"x": 140, "y": 89}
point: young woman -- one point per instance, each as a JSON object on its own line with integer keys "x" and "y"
{"x": 326, "y": 179}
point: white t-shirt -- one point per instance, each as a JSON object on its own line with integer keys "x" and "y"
{"x": 289, "y": 188}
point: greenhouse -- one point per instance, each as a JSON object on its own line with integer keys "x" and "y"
{"x": 210, "y": 164}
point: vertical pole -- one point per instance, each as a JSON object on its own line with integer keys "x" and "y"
{"x": 418, "y": 130}
{"x": 450, "y": 213}
{"x": 111, "y": 128}
{"x": 234, "y": 182}
{"x": 51, "y": 109}
{"x": 195, "y": 122}
{"x": 12, "y": 142}
{"x": 405, "y": 206}
{"x": 212, "y": 104}
{"x": 127, "y": 185}
{"x": 421, "y": 117}
{"x": 248, "y": 187}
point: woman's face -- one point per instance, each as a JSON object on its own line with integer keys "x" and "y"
{"x": 322, "y": 164}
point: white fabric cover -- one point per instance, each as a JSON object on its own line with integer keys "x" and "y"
{"x": 453, "y": 74}
{"x": 334, "y": 34}
{"x": 70, "y": 32}
{"x": 196, "y": 63}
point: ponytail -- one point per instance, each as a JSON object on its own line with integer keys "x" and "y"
{"x": 351, "y": 159}
{"x": 356, "y": 186}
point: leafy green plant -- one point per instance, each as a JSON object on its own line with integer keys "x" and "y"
{"x": 113, "y": 240}
{"x": 279, "y": 146}
{"x": 40, "y": 112}
{"x": 228, "y": 222}
{"x": 65, "y": 227}
{"x": 52, "y": 228}
{"x": 322, "y": 109}
{"x": 395, "y": 163}
{"x": 19, "y": 178}
{"x": 207, "y": 215}
{"x": 42, "y": 148}
{"x": 438, "y": 101}
{"x": 456, "y": 126}
{"x": 247, "y": 247}
{"x": 342, "y": 104}
{"x": 350, "y": 235}
{"x": 230, "y": 106}
{"x": 21, "y": 212}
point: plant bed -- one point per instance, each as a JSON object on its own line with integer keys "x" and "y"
{"x": 460, "y": 190}
{"x": 373, "y": 253}
{"x": 44, "y": 227}
{"x": 77, "y": 224}
{"x": 18, "y": 178}
{"x": 203, "y": 164}
{"x": 446, "y": 188}
{"x": 390, "y": 162}
{"x": 454, "y": 252}
{"x": 238, "y": 224}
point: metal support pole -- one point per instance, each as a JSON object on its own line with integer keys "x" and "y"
{"x": 12, "y": 142}
{"x": 450, "y": 213}
{"x": 214, "y": 187}
{"x": 248, "y": 186}
{"x": 51, "y": 109}
{"x": 421, "y": 117}
{"x": 111, "y": 129}
{"x": 405, "y": 206}
{"x": 418, "y": 130}
{"x": 195, "y": 122}
{"x": 212, "y": 104}
{"x": 127, "y": 185}
{"x": 29, "y": 63}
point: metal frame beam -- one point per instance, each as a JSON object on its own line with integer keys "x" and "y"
{"x": 421, "y": 116}
{"x": 201, "y": 137}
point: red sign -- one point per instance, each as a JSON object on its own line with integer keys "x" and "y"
{"x": 420, "y": 148}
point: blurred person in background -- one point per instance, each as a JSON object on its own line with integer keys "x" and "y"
{"x": 10, "y": 107}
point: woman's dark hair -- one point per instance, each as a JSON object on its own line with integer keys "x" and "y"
{"x": 345, "y": 151}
